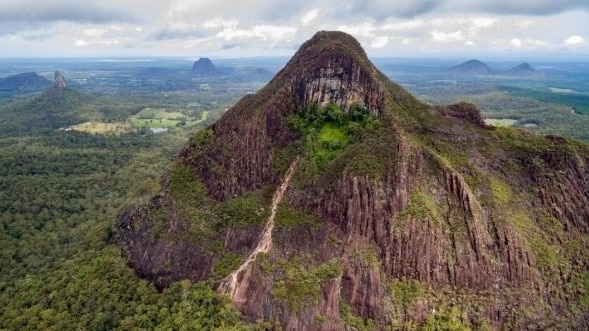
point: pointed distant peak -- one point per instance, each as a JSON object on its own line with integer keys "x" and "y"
{"x": 59, "y": 81}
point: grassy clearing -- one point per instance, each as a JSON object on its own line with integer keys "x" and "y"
{"x": 500, "y": 121}
{"x": 161, "y": 118}
{"x": 103, "y": 128}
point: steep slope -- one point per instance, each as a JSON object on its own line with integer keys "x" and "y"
{"x": 332, "y": 198}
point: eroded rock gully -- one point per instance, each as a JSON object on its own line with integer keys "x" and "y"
{"x": 238, "y": 281}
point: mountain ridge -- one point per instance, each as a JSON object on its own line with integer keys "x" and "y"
{"x": 395, "y": 209}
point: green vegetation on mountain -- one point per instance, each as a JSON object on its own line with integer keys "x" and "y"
{"x": 326, "y": 132}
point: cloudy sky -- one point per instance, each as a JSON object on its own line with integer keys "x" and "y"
{"x": 193, "y": 28}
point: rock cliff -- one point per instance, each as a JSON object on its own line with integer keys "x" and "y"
{"x": 391, "y": 213}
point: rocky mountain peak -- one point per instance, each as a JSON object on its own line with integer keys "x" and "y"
{"x": 332, "y": 68}
{"x": 332, "y": 199}
{"x": 59, "y": 81}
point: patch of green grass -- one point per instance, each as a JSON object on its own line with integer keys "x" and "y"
{"x": 162, "y": 118}
{"x": 421, "y": 207}
{"x": 289, "y": 217}
{"x": 500, "y": 121}
{"x": 449, "y": 320}
{"x": 501, "y": 191}
{"x": 249, "y": 209}
{"x": 332, "y": 136}
{"x": 299, "y": 283}
{"x": 153, "y": 123}
{"x": 326, "y": 132}
{"x": 227, "y": 264}
{"x": 355, "y": 322}
{"x": 405, "y": 292}
{"x": 185, "y": 185}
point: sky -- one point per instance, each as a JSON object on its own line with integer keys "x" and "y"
{"x": 235, "y": 28}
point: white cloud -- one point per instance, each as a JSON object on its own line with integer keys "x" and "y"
{"x": 94, "y": 32}
{"x": 402, "y": 25}
{"x": 379, "y": 42}
{"x": 263, "y": 32}
{"x": 482, "y": 22}
{"x": 255, "y": 27}
{"x": 219, "y": 23}
{"x": 516, "y": 42}
{"x": 535, "y": 42}
{"x": 309, "y": 16}
{"x": 364, "y": 30}
{"x": 574, "y": 40}
{"x": 443, "y": 37}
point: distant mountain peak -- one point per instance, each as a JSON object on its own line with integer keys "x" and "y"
{"x": 472, "y": 67}
{"x": 522, "y": 69}
{"x": 59, "y": 83}
{"x": 24, "y": 82}
{"x": 204, "y": 66}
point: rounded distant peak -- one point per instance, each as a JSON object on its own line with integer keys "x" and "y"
{"x": 331, "y": 41}
{"x": 473, "y": 66}
{"x": 204, "y": 65}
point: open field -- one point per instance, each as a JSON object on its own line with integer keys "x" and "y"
{"x": 162, "y": 118}
{"x": 500, "y": 121}
{"x": 103, "y": 128}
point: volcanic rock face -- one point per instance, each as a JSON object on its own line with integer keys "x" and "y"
{"x": 428, "y": 215}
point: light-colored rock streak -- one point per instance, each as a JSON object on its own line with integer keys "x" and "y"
{"x": 230, "y": 285}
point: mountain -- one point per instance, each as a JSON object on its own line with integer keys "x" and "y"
{"x": 472, "y": 67}
{"x": 524, "y": 69}
{"x": 58, "y": 107}
{"x": 204, "y": 66}
{"x": 24, "y": 83}
{"x": 332, "y": 199}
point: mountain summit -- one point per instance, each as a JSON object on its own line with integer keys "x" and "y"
{"x": 472, "y": 67}
{"x": 204, "y": 66}
{"x": 333, "y": 199}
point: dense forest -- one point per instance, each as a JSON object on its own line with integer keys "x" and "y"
{"x": 59, "y": 195}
